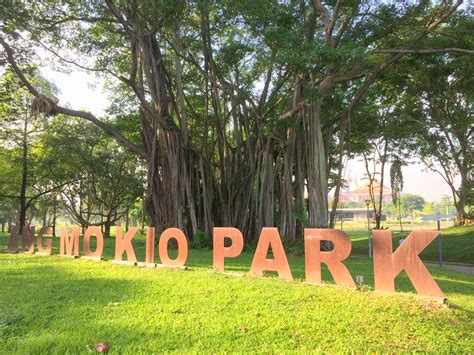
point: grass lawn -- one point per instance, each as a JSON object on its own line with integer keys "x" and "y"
{"x": 59, "y": 305}
{"x": 457, "y": 244}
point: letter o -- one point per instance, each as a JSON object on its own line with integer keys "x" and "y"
{"x": 93, "y": 231}
{"x": 182, "y": 247}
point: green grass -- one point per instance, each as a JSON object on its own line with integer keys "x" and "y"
{"x": 457, "y": 244}
{"x": 59, "y": 305}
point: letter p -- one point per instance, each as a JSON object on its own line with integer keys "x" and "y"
{"x": 220, "y": 251}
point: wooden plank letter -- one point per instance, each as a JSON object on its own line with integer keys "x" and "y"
{"x": 93, "y": 231}
{"x": 49, "y": 243}
{"x": 314, "y": 257}
{"x": 270, "y": 238}
{"x": 69, "y": 246}
{"x": 125, "y": 244}
{"x": 220, "y": 251}
{"x": 388, "y": 265}
{"x": 182, "y": 247}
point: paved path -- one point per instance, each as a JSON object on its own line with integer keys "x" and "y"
{"x": 466, "y": 269}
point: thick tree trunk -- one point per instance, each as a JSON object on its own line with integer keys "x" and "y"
{"x": 461, "y": 215}
{"x": 266, "y": 203}
{"x": 317, "y": 175}
{"x": 107, "y": 226}
{"x": 340, "y": 167}
{"x": 142, "y": 217}
{"x": 287, "y": 222}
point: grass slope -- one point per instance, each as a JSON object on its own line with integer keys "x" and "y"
{"x": 457, "y": 244}
{"x": 58, "y": 305}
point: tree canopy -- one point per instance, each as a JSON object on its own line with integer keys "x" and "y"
{"x": 242, "y": 113}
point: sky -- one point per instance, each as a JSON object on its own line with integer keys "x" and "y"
{"x": 80, "y": 90}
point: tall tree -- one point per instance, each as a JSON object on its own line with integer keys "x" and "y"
{"x": 240, "y": 108}
{"x": 20, "y": 129}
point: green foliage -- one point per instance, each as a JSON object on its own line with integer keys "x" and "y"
{"x": 200, "y": 240}
{"x": 411, "y": 203}
{"x": 396, "y": 180}
{"x": 199, "y": 89}
{"x": 429, "y": 208}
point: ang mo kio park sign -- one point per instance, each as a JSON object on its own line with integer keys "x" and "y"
{"x": 387, "y": 263}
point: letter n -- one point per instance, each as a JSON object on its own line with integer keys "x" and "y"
{"x": 388, "y": 265}
{"x": 28, "y": 239}
{"x": 69, "y": 246}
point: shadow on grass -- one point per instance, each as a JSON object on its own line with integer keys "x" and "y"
{"x": 53, "y": 304}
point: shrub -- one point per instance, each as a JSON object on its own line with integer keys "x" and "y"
{"x": 200, "y": 240}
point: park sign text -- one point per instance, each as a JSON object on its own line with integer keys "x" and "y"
{"x": 387, "y": 264}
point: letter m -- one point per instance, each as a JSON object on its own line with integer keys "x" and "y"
{"x": 69, "y": 245}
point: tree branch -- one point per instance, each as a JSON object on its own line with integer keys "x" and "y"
{"x": 66, "y": 111}
{"x": 427, "y": 50}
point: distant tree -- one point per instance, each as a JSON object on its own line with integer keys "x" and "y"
{"x": 107, "y": 180}
{"x": 354, "y": 204}
{"x": 21, "y": 127}
{"x": 429, "y": 208}
{"x": 438, "y": 103}
{"x": 412, "y": 203}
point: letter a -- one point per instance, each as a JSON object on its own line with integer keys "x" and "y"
{"x": 388, "y": 265}
{"x": 270, "y": 238}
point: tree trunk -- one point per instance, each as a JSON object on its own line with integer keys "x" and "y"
{"x": 461, "y": 215}
{"x": 54, "y": 216}
{"x": 317, "y": 175}
{"x": 127, "y": 220}
{"x": 24, "y": 176}
{"x": 142, "y": 217}
{"x": 107, "y": 226}
{"x": 400, "y": 213}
